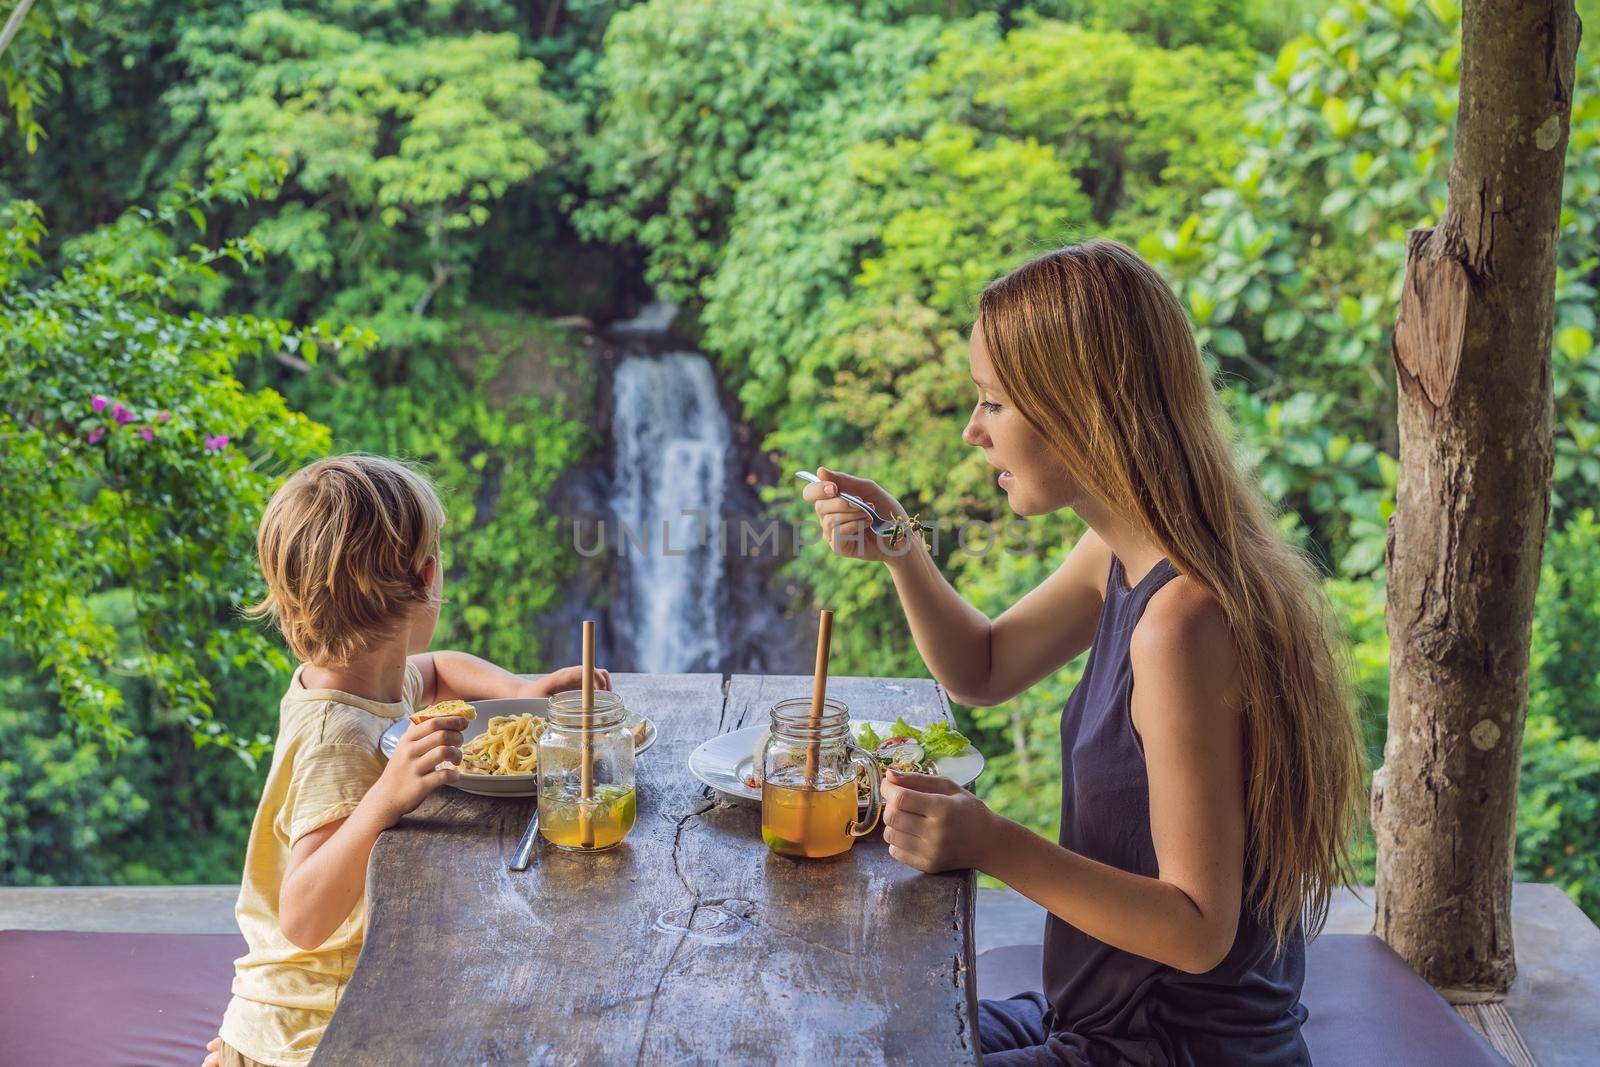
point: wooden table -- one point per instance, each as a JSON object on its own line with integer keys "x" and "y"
{"x": 688, "y": 943}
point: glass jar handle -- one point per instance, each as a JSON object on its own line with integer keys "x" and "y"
{"x": 761, "y": 763}
{"x": 875, "y": 805}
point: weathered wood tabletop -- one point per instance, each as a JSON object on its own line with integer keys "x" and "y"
{"x": 688, "y": 943}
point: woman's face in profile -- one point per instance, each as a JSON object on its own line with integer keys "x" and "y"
{"x": 1034, "y": 480}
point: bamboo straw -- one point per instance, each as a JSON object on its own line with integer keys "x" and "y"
{"x": 586, "y": 750}
{"x": 819, "y": 692}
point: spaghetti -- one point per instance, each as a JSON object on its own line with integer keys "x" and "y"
{"x": 508, "y": 745}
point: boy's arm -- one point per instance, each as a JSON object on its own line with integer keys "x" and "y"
{"x": 327, "y": 870}
{"x": 326, "y": 876}
{"x": 460, "y": 676}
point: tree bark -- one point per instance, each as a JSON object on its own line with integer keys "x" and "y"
{"x": 1472, "y": 355}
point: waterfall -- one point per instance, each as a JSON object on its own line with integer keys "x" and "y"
{"x": 672, "y": 444}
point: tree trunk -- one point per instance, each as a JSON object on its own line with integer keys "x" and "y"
{"x": 1472, "y": 356}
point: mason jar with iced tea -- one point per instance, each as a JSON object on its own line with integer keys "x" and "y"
{"x": 568, "y": 818}
{"x": 809, "y": 804}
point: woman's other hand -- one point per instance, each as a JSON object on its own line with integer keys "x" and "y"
{"x": 932, "y": 824}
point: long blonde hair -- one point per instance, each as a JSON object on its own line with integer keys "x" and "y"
{"x": 1094, "y": 350}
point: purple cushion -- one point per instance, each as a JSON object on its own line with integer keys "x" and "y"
{"x": 1366, "y": 1006}
{"x": 101, "y": 1000}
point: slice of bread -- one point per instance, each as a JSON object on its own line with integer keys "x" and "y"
{"x": 446, "y": 708}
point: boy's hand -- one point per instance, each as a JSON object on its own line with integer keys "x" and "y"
{"x": 931, "y": 823}
{"x": 213, "y": 1053}
{"x": 567, "y": 678}
{"x": 413, "y": 771}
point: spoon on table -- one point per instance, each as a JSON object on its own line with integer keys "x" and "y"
{"x": 879, "y": 525}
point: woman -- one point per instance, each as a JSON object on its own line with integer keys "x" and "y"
{"x": 1212, "y": 772}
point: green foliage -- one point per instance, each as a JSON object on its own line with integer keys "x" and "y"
{"x": 695, "y": 94}
{"x": 396, "y": 153}
{"x": 60, "y": 800}
{"x": 1558, "y": 811}
{"x": 135, "y": 466}
{"x": 1565, "y": 658}
{"x": 1302, "y": 461}
{"x": 400, "y": 146}
{"x": 890, "y": 360}
{"x": 388, "y": 154}
{"x": 1358, "y": 607}
{"x": 1215, "y": 24}
{"x": 1293, "y": 272}
{"x": 107, "y": 142}
{"x": 134, "y": 457}
{"x": 401, "y": 141}
{"x": 766, "y": 308}
{"x": 1292, "y": 276}
{"x": 31, "y": 65}
{"x": 1141, "y": 126}
{"x": 1576, "y": 357}
{"x": 158, "y": 809}
{"x": 1348, "y": 142}
{"x": 1021, "y": 739}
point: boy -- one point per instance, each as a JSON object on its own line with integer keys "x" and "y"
{"x": 350, "y": 550}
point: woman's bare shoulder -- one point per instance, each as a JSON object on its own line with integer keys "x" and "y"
{"x": 1184, "y": 634}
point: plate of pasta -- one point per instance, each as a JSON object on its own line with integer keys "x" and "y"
{"x": 499, "y": 748}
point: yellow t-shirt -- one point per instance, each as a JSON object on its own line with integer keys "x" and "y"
{"x": 326, "y": 759}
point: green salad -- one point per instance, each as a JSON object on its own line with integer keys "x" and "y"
{"x": 908, "y": 748}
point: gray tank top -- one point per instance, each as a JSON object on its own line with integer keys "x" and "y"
{"x": 1118, "y": 1007}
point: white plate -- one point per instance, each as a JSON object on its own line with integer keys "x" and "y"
{"x": 723, "y": 762}
{"x": 499, "y": 785}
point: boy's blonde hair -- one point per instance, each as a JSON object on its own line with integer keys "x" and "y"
{"x": 343, "y": 545}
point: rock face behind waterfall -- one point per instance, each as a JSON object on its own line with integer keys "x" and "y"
{"x": 668, "y": 491}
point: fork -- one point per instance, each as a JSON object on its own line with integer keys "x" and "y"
{"x": 524, "y": 853}
{"x": 879, "y": 525}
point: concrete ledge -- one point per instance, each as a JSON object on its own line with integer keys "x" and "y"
{"x": 179, "y": 909}
{"x": 1555, "y": 1000}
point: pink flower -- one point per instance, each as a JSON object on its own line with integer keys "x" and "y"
{"x": 216, "y": 443}
{"x": 120, "y": 412}
{"x": 147, "y": 433}
{"x": 95, "y": 433}
{"x": 98, "y": 402}
{"x": 163, "y": 416}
